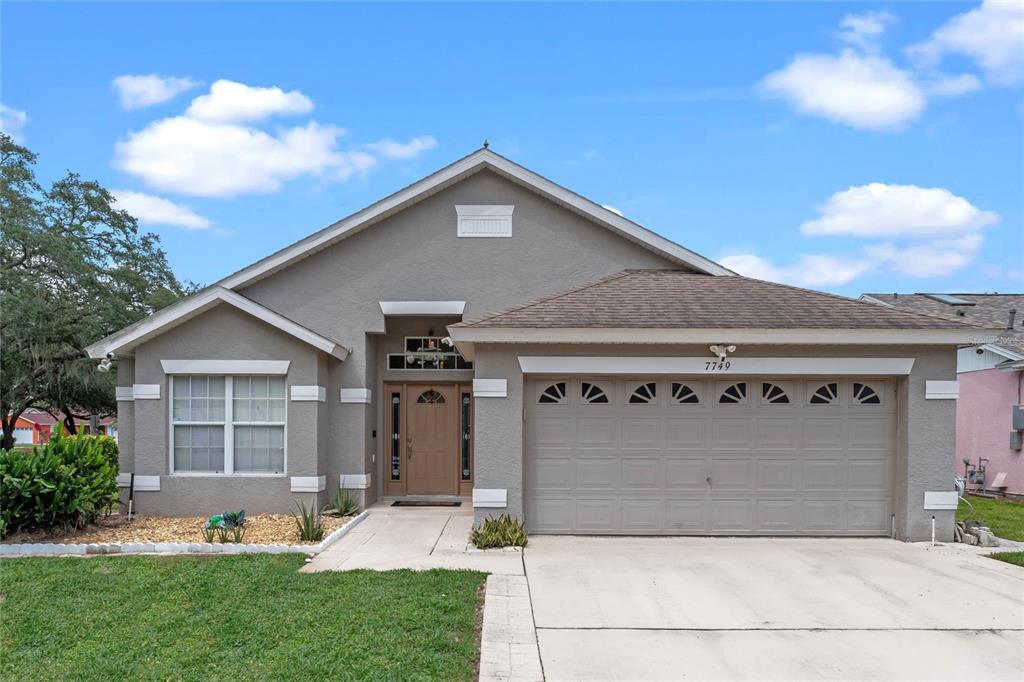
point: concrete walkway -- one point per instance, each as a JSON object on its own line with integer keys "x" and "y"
{"x": 731, "y": 608}
{"x": 419, "y": 538}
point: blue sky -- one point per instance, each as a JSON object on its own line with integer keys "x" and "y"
{"x": 847, "y": 147}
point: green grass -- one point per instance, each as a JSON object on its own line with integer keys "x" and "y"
{"x": 1010, "y": 557}
{"x": 244, "y": 617}
{"x": 1006, "y": 519}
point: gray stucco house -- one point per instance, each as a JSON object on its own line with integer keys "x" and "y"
{"x": 487, "y": 334}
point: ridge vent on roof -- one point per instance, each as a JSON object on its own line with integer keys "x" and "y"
{"x": 948, "y": 299}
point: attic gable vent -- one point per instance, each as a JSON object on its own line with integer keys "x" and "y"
{"x": 484, "y": 221}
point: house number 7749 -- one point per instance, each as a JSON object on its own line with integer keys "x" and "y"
{"x": 717, "y": 366}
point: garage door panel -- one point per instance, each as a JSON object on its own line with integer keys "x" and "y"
{"x": 778, "y": 433}
{"x": 597, "y": 515}
{"x": 553, "y": 473}
{"x": 732, "y": 515}
{"x": 775, "y": 516}
{"x": 553, "y": 432}
{"x": 593, "y": 473}
{"x": 778, "y": 475}
{"x": 686, "y": 516}
{"x": 868, "y": 474}
{"x": 818, "y": 463}
{"x": 686, "y": 434}
{"x": 869, "y": 433}
{"x": 824, "y": 474}
{"x": 867, "y": 516}
{"x": 642, "y": 472}
{"x": 685, "y": 474}
{"x": 732, "y": 474}
{"x": 642, "y": 515}
{"x": 823, "y": 433}
{"x": 597, "y": 433}
{"x": 732, "y": 433}
{"x": 643, "y": 433}
{"x": 823, "y": 515}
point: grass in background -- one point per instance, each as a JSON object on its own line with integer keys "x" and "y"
{"x": 1010, "y": 557}
{"x": 248, "y": 617}
{"x": 1005, "y": 518}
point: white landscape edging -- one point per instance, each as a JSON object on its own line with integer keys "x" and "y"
{"x": 60, "y": 549}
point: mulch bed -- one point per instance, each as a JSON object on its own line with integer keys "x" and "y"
{"x": 261, "y": 529}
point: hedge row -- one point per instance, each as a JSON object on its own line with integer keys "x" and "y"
{"x": 65, "y": 483}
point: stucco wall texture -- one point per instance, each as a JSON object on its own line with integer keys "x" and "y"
{"x": 416, "y": 255}
{"x": 984, "y": 417}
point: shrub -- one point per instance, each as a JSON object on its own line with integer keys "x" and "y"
{"x": 343, "y": 504}
{"x": 66, "y": 483}
{"x": 310, "y": 523}
{"x": 503, "y": 531}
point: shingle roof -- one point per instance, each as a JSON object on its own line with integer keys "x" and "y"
{"x": 673, "y": 299}
{"x": 988, "y": 310}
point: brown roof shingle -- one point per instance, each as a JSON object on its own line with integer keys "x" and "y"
{"x": 673, "y": 299}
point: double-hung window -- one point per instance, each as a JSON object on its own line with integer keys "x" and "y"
{"x": 228, "y": 424}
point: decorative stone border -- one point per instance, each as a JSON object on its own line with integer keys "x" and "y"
{"x": 59, "y": 549}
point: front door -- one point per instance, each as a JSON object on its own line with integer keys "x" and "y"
{"x": 432, "y": 440}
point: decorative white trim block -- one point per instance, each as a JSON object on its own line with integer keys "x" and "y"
{"x": 144, "y": 484}
{"x": 484, "y": 221}
{"x": 941, "y": 390}
{"x": 309, "y": 393}
{"x": 146, "y": 391}
{"x": 308, "y": 484}
{"x": 561, "y": 364}
{"x": 356, "y": 395}
{"x": 356, "y": 481}
{"x": 422, "y": 307}
{"x": 490, "y": 497}
{"x": 124, "y": 393}
{"x": 945, "y": 500}
{"x": 225, "y": 366}
{"x": 490, "y": 388}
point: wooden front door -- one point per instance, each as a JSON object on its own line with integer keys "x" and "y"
{"x": 432, "y": 454}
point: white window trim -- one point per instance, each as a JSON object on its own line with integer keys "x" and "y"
{"x": 229, "y": 436}
{"x": 253, "y": 367}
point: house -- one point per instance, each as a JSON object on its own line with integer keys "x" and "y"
{"x": 487, "y": 335}
{"x": 991, "y": 382}
{"x": 34, "y": 427}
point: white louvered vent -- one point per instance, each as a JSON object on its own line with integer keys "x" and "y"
{"x": 484, "y": 221}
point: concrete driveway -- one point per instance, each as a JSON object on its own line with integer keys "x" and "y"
{"x": 729, "y": 608}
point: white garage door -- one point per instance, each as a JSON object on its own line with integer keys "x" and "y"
{"x": 695, "y": 456}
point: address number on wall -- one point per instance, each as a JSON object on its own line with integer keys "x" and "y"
{"x": 717, "y": 366}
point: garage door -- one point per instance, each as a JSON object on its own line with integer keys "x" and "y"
{"x": 696, "y": 456}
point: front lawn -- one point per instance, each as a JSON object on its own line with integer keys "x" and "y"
{"x": 1005, "y": 518}
{"x": 1010, "y": 557}
{"x": 248, "y": 617}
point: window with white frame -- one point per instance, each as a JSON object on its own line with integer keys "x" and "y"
{"x": 228, "y": 424}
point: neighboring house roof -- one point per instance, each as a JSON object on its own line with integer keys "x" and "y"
{"x": 43, "y": 418}
{"x": 173, "y": 315}
{"x": 988, "y": 310}
{"x": 671, "y": 306}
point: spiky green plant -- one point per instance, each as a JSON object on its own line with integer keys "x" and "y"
{"x": 503, "y": 531}
{"x": 343, "y": 504}
{"x": 310, "y": 523}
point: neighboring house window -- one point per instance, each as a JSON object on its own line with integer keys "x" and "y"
{"x": 428, "y": 352}
{"x": 23, "y": 436}
{"x": 233, "y": 424}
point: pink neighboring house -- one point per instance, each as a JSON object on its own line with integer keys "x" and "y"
{"x": 991, "y": 382}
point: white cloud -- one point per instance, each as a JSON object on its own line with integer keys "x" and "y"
{"x": 229, "y": 101}
{"x": 613, "y": 210}
{"x": 861, "y": 91}
{"x": 200, "y": 158}
{"x": 933, "y": 259}
{"x": 864, "y": 30}
{"x": 137, "y": 92}
{"x": 809, "y": 270}
{"x": 881, "y": 210}
{"x": 12, "y": 122}
{"x": 389, "y": 149}
{"x": 150, "y": 210}
{"x": 951, "y": 86}
{"x": 991, "y": 34}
